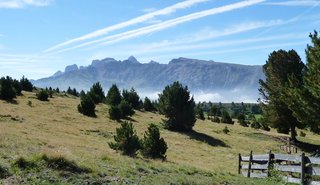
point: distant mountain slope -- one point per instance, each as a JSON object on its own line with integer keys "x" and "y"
{"x": 199, "y": 75}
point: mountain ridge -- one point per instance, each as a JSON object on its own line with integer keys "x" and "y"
{"x": 198, "y": 75}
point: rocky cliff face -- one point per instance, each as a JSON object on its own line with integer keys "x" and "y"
{"x": 198, "y": 75}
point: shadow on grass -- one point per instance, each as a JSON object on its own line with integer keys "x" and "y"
{"x": 12, "y": 102}
{"x": 206, "y": 138}
{"x": 307, "y": 147}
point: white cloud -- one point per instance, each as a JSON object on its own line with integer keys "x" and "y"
{"x": 163, "y": 25}
{"x": 140, "y": 19}
{"x": 23, "y": 3}
{"x": 201, "y": 40}
{"x": 149, "y": 10}
{"x": 296, "y": 3}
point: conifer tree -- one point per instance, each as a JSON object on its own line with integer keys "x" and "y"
{"x": 280, "y": 66}
{"x": 178, "y": 107}
{"x": 113, "y": 96}
{"x": 304, "y": 96}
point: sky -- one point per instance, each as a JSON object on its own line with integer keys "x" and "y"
{"x": 40, "y": 37}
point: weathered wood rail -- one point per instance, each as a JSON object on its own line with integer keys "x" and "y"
{"x": 298, "y": 169}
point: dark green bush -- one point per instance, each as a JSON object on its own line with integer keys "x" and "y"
{"x": 302, "y": 134}
{"x": 113, "y": 96}
{"x": 148, "y": 105}
{"x": 87, "y": 106}
{"x": 125, "y": 109}
{"x": 152, "y": 145}
{"x": 96, "y": 93}
{"x": 115, "y": 113}
{"x": 7, "y": 91}
{"x": 226, "y": 130}
{"x": 26, "y": 84}
{"x": 126, "y": 140}
{"x": 255, "y": 125}
{"x": 42, "y": 95}
{"x": 132, "y": 98}
{"x": 226, "y": 117}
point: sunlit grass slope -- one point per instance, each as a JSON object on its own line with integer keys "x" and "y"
{"x": 56, "y": 129}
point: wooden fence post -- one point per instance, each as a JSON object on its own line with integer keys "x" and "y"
{"x": 303, "y": 165}
{"x": 239, "y": 164}
{"x": 269, "y": 164}
{"x": 249, "y": 166}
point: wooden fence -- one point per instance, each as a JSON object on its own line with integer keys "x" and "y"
{"x": 293, "y": 168}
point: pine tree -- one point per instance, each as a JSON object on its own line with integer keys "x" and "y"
{"x": 115, "y": 113}
{"x": 26, "y": 84}
{"x": 87, "y": 106}
{"x": 147, "y": 105}
{"x": 178, "y": 107}
{"x": 226, "y": 117}
{"x": 199, "y": 112}
{"x": 7, "y": 91}
{"x": 280, "y": 66}
{"x": 304, "y": 96}
{"x": 126, "y": 109}
{"x": 96, "y": 93}
{"x": 113, "y": 96}
{"x": 131, "y": 97}
{"x": 152, "y": 145}
{"x": 126, "y": 139}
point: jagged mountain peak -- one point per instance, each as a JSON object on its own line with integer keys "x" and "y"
{"x": 71, "y": 68}
{"x": 198, "y": 75}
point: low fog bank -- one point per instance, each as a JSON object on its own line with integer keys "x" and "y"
{"x": 223, "y": 96}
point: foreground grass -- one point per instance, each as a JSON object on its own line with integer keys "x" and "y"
{"x": 57, "y": 130}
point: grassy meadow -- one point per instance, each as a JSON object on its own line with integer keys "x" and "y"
{"x": 51, "y": 143}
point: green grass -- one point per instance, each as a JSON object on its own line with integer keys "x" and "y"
{"x": 58, "y": 145}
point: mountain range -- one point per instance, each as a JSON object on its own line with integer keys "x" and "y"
{"x": 201, "y": 76}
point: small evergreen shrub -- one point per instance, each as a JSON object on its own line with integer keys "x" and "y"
{"x": 132, "y": 98}
{"x": 42, "y": 95}
{"x": 29, "y": 103}
{"x": 152, "y": 145}
{"x": 113, "y": 96}
{"x": 226, "y": 117}
{"x": 26, "y": 85}
{"x": 244, "y": 123}
{"x": 125, "y": 109}
{"x": 147, "y": 105}
{"x": 255, "y": 125}
{"x": 87, "y": 106}
{"x": 302, "y": 134}
{"x": 126, "y": 140}
{"x": 226, "y": 130}
{"x": 115, "y": 113}
{"x": 264, "y": 126}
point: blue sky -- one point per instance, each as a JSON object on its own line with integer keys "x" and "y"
{"x": 40, "y": 37}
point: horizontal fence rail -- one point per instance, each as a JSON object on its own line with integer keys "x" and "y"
{"x": 298, "y": 169}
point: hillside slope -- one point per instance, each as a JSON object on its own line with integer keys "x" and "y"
{"x": 55, "y": 128}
